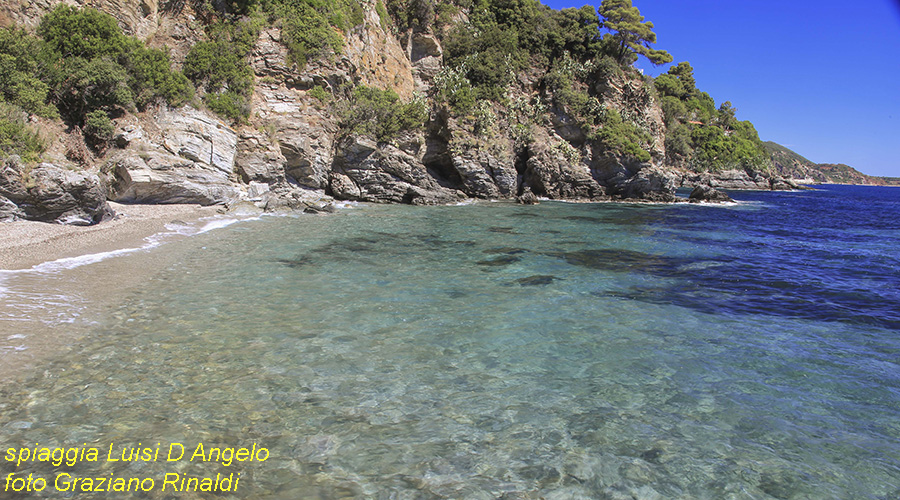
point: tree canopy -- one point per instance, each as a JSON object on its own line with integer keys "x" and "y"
{"x": 629, "y": 34}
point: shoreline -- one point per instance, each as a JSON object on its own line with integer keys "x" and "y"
{"x": 25, "y": 244}
{"x": 43, "y": 315}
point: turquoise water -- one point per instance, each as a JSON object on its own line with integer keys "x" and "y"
{"x": 557, "y": 351}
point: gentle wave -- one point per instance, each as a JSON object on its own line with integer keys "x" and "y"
{"x": 152, "y": 241}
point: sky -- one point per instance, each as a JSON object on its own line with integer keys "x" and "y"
{"x": 820, "y": 77}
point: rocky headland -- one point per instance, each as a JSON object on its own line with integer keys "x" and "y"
{"x": 295, "y": 150}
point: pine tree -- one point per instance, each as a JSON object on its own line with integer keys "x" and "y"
{"x": 629, "y": 34}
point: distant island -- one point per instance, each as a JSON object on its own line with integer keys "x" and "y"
{"x": 292, "y": 104}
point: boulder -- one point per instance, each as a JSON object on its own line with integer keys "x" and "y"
{"x": 283, "y": 197}
{"x": 731, "y": 180}
{"x": 527, "y": 198}
{"x": 703, "y": 193}
{"x": 51, "y": 194}
{"x": 648, "y": 184}
{"x": 9, "y": 211}
{"x": 783, "y": 184}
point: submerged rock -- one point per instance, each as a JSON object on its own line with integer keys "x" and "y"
{"x": 537, "y": 280}
{"x": 504, "y": 260}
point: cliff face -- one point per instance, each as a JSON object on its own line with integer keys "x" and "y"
{"x": 295, "y": 152}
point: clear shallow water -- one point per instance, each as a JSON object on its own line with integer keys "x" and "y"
{"x": 501, "y": 351}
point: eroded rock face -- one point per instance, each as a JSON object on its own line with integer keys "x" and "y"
{"x": 427, "y": 58}
{"x": 259, "y": 159}
{"x": 304, "y": 134}
{"x": 51, "y": 194}
{"x": 157, "y": 178}
{"x": 137, "y": 17}
{"x": 190, "y": 159}
{"x": 367, "y": 171}
{"x": 199, "y": 137}
{"x": 635, "y": 101}
{"x": 485, "y": 174}
{"x": 549, "y": 173}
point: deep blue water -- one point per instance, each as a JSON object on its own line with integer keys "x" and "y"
{"x": 559, "y": 351}
{"x": 827, "y": 255}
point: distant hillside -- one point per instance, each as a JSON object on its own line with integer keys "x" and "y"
{"x": 790, "y": 164}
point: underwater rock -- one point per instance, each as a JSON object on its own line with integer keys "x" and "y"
{"x": 537, "y": 280}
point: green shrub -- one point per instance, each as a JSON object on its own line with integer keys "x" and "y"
{"x": 310, "y": 27}
{"x": 84, "y": 63}
{"x": 95, "y": 84}
{"x": 716, "y": 150}
{"x": 320, "y": 93}
{"x": 152, "y": 77}
{"x": 16, "y": 137}
{"x": 452, "y": 87}
{"x": 85, "y": 33}
{"x": 380, "y": 114}
{"x": 678, "y": 142}
{"x": 621, "y": 138}
{"x": 383, "y": 16}
{"x": 220, "y": 67}
{"x": 307, "y": 33}
{"x": 21, "y": 58}
{"x": 98, "y": 128}
{"x": 229, "y": 104}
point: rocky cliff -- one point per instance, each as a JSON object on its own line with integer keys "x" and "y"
{"x": 294, "y": 151}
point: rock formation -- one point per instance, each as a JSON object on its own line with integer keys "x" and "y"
{"x": 293, "y": 153}
{"x": 51, "y": 194}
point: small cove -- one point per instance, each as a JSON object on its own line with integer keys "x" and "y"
{"x": 500, "y": 351}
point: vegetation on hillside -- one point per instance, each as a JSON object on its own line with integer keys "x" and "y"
{"x": 380, "y": 114}
{"x": 79, "y": 66}
{"x": 82, "y": 68}
{"x": 698, "y": 134}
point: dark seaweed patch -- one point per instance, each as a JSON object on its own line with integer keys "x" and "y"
{"x": 537, "y": 280}
{"x": 583, "y": 218}
{"x": 505, "y": 250}
{"x": 504, "y": 260}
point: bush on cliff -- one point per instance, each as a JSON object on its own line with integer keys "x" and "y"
{"x": 22, "y": 57}
{"x": 621, "y": 138}
{"x": 220, "y": 67}
{"x": 380, "y": 113}
{"x": 80, "y": 63}
{"x": 311, "y": 28}
{"x": 96, "y": 66}
{"x": 17, "y": 137}
{"x": 701, "y": 136}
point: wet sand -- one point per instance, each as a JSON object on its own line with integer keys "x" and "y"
{"x": 24, "y": 244}
{"x": 42, "y": 315}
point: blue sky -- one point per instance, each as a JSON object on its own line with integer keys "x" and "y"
{"x": 820, "y": 77}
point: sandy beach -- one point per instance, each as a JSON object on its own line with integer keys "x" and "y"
{"x": 31, "y": 331}
{"x": 24, "y": 244}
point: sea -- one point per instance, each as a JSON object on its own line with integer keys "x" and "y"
{"x": 489, "y": 350}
